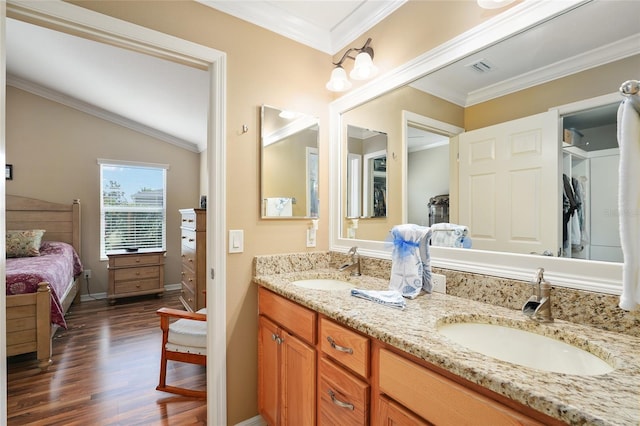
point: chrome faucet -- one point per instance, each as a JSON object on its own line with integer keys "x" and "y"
{"x": 355, "y": 263}
{"x": 538, "y": 307}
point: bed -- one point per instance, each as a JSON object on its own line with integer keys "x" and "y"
{"x": 33, "y": 318}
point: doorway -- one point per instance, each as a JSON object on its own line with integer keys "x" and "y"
{"x": 69, "y": 18}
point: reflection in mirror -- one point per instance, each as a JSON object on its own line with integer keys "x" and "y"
{"x": 289, "y": 164}
{"x": 366, "y": 173}
{"x": 427, "y": 176}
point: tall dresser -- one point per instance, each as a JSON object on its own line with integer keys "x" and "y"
{"x": 194, "y": 258}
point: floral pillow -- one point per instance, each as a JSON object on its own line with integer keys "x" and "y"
{"x": 24, "y": 243}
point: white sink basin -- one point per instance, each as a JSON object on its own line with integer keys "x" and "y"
{"x": 525, "y": 348}
{"x": 324, "y": 284}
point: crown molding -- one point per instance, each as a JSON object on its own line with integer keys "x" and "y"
{"x": 270, "y": 16}
{"x": 594, "y": 58}
{"x": 98, "y": 112}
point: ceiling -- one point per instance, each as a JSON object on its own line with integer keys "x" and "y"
{"x": 169, "y": 101}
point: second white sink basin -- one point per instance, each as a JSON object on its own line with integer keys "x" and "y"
{"x": 323, "y": 284}
{"x": 525, "y": 348}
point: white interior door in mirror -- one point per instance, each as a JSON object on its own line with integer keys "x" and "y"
{"x": 509, "y": 184}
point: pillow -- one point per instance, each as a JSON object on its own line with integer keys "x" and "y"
{"x": 24, "y": 243}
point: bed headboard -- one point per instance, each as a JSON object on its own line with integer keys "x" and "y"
{"x": 61, "y": 221}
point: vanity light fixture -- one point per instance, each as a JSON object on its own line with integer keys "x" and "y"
{"x": 363, "y": 68}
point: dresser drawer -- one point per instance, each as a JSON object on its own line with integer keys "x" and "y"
{"x": 345, "y": 346}
{"x": 134, "y": 274}
{"x": 189, "y": 279}
{"x": 135, "y": 286}
{"x": 188, "y": 219}
{"x": 188, "y": 295}
{"x": 291, "y": 316}
{"x": 343, "y": 399}
{"x": 189, "y": 258}
{"x": 189, "y": 238}
{"x": 130, "y": 260}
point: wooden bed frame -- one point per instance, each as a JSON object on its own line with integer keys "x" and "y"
{"x": 29, "y": 327}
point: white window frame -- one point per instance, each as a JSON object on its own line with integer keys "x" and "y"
{"x": 132, "y": 164}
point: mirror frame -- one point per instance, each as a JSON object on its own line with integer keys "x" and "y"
{"x": 603, "y": 277}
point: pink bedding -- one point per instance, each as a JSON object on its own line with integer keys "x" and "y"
{"x": 57, "y": 264}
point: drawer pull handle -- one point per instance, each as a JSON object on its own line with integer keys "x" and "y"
{"x": 338, "y": 402}
{"x": 183, "y": 237}
{"x": 191, "y": 240}
{"x": 338, "y": 347}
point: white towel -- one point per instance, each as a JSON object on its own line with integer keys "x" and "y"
{"x": 390, "y": 298}
{"x": 450, "y": 235}
{"x": 410, "y": 260}
{"x": 629, "y": 203}
{"x": 279, "y": 207}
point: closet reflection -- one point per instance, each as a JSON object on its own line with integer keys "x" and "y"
{"x": 590, "y": 157}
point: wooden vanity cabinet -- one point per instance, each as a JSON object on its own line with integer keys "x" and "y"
{"x": 286, "y": 361}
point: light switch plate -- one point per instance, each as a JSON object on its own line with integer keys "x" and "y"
{"x": 236, "y": 241}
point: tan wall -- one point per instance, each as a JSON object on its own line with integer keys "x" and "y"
{"x": 264, "y": 68}
{"x": 54, "y": 148}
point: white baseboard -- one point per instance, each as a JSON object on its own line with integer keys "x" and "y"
{"x": 254, "y": 421}
{"x": 103, "y": 295}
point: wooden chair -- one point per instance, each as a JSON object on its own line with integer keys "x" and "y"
{"x": 184, "y": 340}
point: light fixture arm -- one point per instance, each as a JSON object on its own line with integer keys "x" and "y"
{"x": 366, "y": 48}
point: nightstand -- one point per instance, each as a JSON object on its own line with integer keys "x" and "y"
{"x": 135, "y": 274}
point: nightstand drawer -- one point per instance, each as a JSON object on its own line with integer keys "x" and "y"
{"x": 130, "y": 260}
{"x": 133, "y": 274}
{"x": 135, "y": 286}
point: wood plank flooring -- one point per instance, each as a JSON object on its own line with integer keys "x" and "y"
{"x": 105, "y": 370}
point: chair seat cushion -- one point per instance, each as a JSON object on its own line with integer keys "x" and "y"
{"x": 186, "y": 333}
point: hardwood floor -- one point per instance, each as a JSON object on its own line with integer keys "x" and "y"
{"x": 105, "y": 370}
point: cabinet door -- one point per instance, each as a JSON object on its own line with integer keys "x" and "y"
{"x": 392, "y": 414}
{"x": 298, "y": 381}
{"x": 268, "y": 370}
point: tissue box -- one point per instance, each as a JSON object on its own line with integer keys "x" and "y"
{"x": 572, "y": 136}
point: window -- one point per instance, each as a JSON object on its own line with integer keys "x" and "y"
{"x": 132, "y": 206}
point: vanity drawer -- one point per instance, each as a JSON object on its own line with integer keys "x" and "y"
{"x": 343, "y": 399}
{"x": 291, "y": 316}
{"x": 349, "y": 348}
{"x": 415, "y": 387}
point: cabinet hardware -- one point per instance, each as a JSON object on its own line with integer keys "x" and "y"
{"x": 339, "y": 403}
{"x": 338, "y": 347}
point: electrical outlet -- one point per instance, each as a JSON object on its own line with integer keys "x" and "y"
{"x": 439, "y": 283}
{"x": 87, "y": 273}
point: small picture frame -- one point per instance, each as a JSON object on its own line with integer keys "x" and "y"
{"x": 203, "y": 202}
{"x": 8, "y": 171}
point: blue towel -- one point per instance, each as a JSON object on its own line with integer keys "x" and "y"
{"x": 410, "y": 260}
{"x": 389, "y": 298}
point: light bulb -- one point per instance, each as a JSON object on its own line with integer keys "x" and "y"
{"x": 339, "y": 81}
{"x": 363, "y": 68}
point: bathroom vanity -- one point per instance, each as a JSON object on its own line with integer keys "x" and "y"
{"x": 368, "y": 363}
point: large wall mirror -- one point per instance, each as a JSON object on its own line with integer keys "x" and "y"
{"x": 422, "y": 89}
{"x": 289, "y": 164}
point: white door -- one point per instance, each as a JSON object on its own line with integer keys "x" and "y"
{"x": 509, "y": 185}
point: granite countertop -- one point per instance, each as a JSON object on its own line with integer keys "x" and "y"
{"x": 609, "y": 399}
